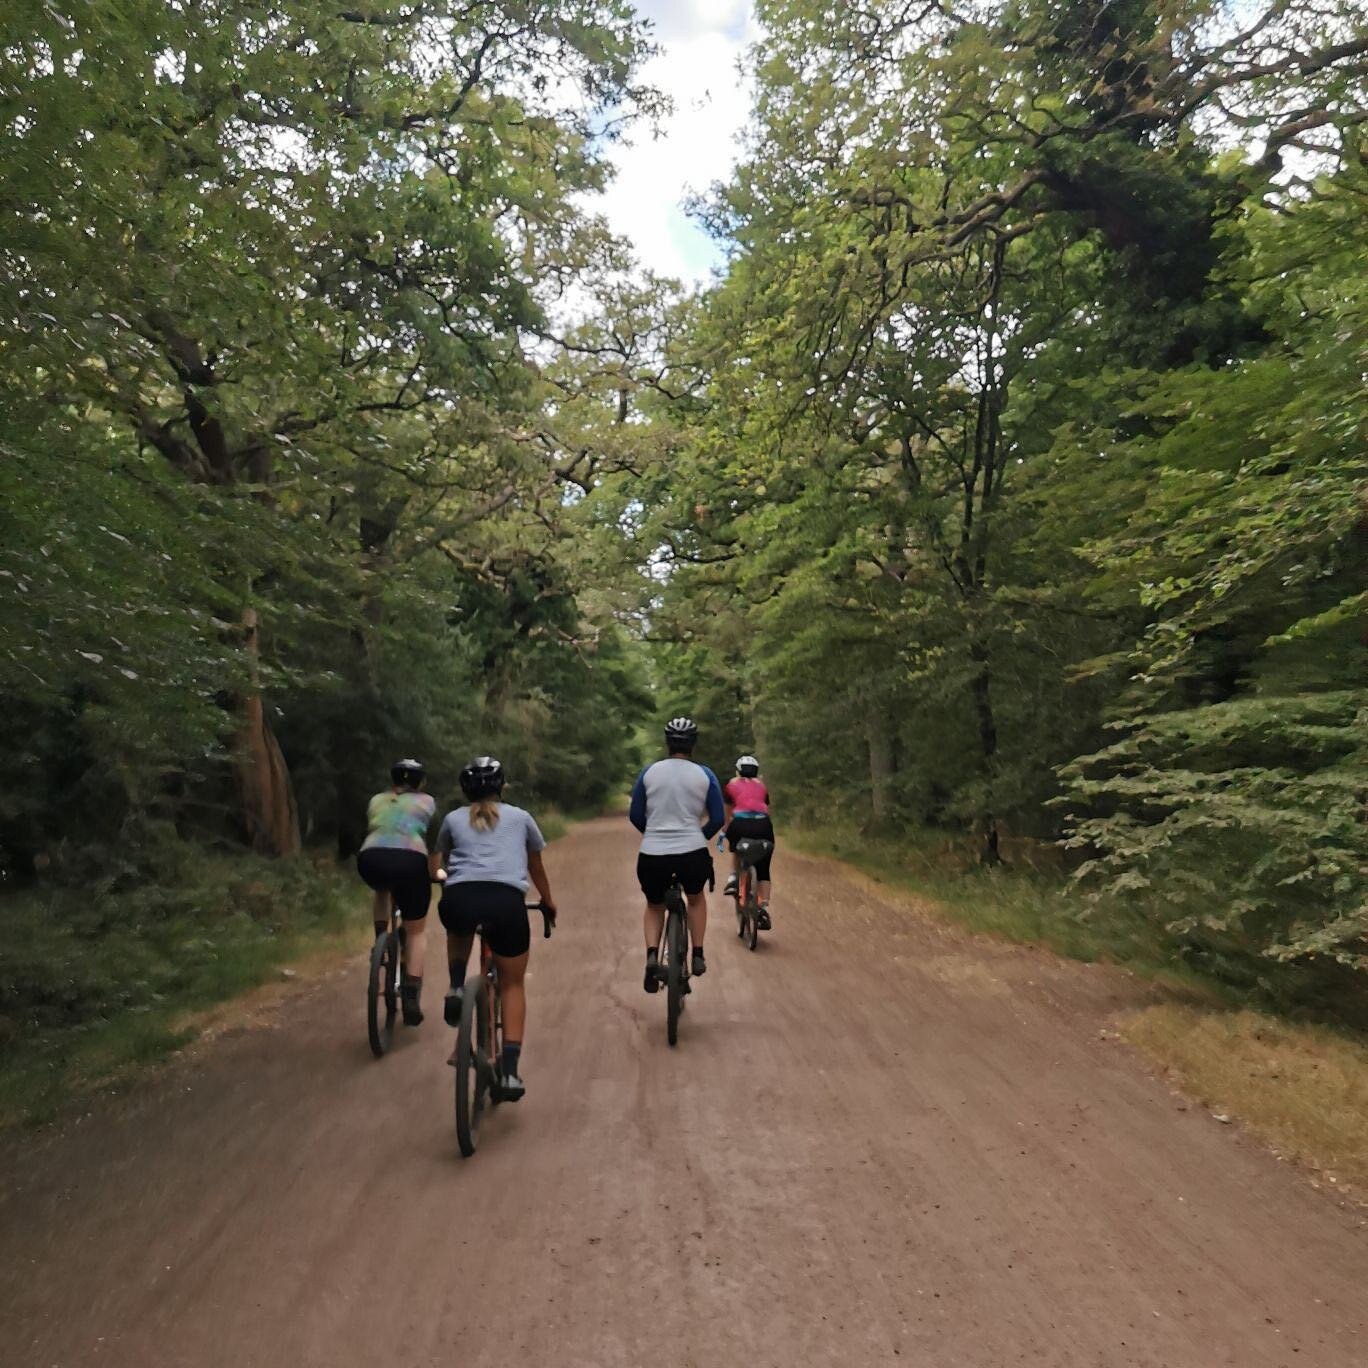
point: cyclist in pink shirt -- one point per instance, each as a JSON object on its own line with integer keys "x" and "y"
{"x": 748, "y": 817}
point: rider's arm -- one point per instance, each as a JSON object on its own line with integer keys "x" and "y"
{"x": 636, "y": 814}
{"x": 439, "y": 853}
{"x": 717, "y": 814}
{"x": 537, "y": 869}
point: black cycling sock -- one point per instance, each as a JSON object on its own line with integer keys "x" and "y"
{"x": 652, "y": 955}
{"x": 380, "y": 928}
{"x": 456, "y": 973}
{"x": 511, "y": 1051}
{"x": 698, "y": 952}
{"x": 414, "y": 981}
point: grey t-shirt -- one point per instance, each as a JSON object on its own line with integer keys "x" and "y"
{"x": 497, "y": 856}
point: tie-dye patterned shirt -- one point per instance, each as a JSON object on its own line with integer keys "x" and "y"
{"x": 400, "y": 821}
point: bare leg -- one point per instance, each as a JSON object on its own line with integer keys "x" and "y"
{"x": 513, "y": 991}
{"x": 458, "y": 952}
{"x": 762, "y": 891}
{"x": 654, "y": 924}
{"x": 415, "y": 947}
{"x": 698, "y": 918}
{"x": 380, "y": 910}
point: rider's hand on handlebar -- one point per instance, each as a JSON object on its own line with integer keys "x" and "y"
{"x": 549, "y": 906}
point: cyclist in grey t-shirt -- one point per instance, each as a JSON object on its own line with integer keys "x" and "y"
{"x": 491, "y": 851}
{"x": 495, "y": 854}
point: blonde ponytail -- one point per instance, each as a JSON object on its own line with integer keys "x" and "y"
{"x": 484, "y": 814}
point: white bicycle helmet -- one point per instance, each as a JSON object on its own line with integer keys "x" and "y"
{"x": 748, "y": 767}
{"x": 681, "y": 733}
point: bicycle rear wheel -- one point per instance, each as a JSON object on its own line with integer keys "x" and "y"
{"x": 752, "y": 918}
{"x": 381, "y": 993}
{"x": 471, "y": 1077}
{"x": 675, "y": 949}
{"x": 492, "y": 1037}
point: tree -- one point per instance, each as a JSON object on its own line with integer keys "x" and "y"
{"x": 297, "y": 254}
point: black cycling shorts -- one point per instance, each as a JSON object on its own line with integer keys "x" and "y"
{"x": 753, "y": 829}
{"x": 404, "y": 873}
{"x": 654, "y": 872}
{"x": 498, "y": 911}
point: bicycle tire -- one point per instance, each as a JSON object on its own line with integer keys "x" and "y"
{"x": 470, "y": 1076}
{"x": 752, "y": 920}
{"x": 380, "y": 994}
{"x": 674, "y": 974}
{"x": 491, "y": 1037}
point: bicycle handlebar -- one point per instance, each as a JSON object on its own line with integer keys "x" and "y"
{"x": 548, "y": 917}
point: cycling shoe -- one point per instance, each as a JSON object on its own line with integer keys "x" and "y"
{"x": 408, "y": 1000}
{"x": 451, "y": 1007}
{"x": 511, "y": 1087}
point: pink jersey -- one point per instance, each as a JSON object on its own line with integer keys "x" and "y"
{"x": 747, "y": 795}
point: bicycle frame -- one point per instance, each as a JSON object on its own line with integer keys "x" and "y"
{"x": 386, "y": 992}
{"x": 674, "y": 954}
{"x": 751, "y": 853}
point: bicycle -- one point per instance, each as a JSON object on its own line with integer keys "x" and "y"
{"x": 479, "y": 1044}
{"x": 386, "y": 966}
{"x": 673, "y": 958}
{"x": 751, "y": 852}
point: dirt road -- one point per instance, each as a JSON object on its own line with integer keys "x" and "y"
{"x": 879, "y": 1141}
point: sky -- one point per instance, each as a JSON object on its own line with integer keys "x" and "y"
{"x": 701, "y": 41}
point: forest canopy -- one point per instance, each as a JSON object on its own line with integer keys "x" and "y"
{"x": 1024, "y": 493}
{"x": 1007, "y": 480}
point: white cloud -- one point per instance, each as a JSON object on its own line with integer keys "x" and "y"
{"x": 695, "y": 145}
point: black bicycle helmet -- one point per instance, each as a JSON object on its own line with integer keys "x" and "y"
{"x": 482, "y": 778}
{"x": 748, "y": 767}
{"x": 407, "y": 772}
{"x": 681, "y": 733}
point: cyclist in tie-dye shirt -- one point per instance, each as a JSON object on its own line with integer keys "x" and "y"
{"x": 394, "y": 863}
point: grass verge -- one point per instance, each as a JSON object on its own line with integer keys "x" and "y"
{"x": 554, "y": 823}
{"x": 1302, "y": 1088}
{"x": 95, "y": 984}
{"x": 1018, "y": 902}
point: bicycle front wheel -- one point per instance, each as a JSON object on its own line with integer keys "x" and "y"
{"x": 471, "y": 1082}
{"x": 675, "y": 949}
{"x": 381, "y": 1000}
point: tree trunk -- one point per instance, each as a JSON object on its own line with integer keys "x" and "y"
{"x": 980, "y": 688}
{"x": 882, "y": 764}
{"x": 268, "y": 802}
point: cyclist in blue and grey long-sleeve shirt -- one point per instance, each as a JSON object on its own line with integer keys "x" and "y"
{"x": 677, "y": 806}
